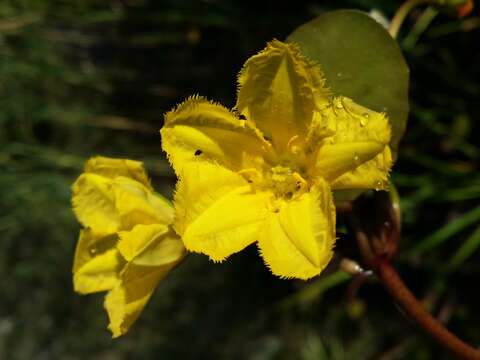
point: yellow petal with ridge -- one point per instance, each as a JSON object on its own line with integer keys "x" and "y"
{"x": 137, "y": 204}
{"x": 94, "y": 204}
{"x": 298, "y": 240}
{"x": 125, "y": 302}
{"x": 279, "y": 89}
{"x": 96, "y": 264}
{"x": 218, "y": 214}
{"x": 151, "y": 245}
{"x": 111, "y": 168}
{"x": 358, "y": 155}
{"x": 201, "y": 131}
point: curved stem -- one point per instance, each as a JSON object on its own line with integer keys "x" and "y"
{"x": 401, "y": 14}
{"x": 409, "y": 303}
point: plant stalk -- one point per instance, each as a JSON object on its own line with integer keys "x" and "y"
{"x": 409, "y": 303}
{"x": 401, "y": 14}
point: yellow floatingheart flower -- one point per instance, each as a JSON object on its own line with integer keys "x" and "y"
{"x": 265, "y": 171}
{"x": 127, "y": 245}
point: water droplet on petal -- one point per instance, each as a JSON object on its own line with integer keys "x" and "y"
{"x": 363, "y": 122}
{"x": 356, "y": 158}
{"x": 93, "y": 251}
{"x": 378, "y": 185}
{"x": 366, "y": 115}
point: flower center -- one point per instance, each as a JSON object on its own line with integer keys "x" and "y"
{"x": 286, "y": 178}
{"x": 285, "y": 181}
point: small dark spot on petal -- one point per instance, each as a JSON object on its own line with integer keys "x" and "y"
{"x": 198, "y": 152}
{"x": 250, "y": 181}
{"x": 242, "y": 117}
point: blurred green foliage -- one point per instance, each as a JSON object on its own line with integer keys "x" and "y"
{"x": 88, "y": 77}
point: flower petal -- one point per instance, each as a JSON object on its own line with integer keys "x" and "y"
{"x": 94, "y": 204}
{"x": 111, "y": 168}
{"x": 297, "y": 242}
{"x": 279, "y": 90}
{"x": 217, "y": 213}
{"x": 199, "y": 131}
{"x": 152, "y": 251}
{"x": 358, "y": 154}
{"x": 125, "y": 302}
{"x": 97, "y": 263}
{"x": 150, "y": 245}
{"x": 136, "y": 204}
{"x": 373, "y": 174}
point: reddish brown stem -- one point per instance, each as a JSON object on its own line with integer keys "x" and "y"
{"x": 409, "y": 303}
{"x": 344, "y": 207}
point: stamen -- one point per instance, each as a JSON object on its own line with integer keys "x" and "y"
{"x": 273, "y": 205}
{"x": 292, "y": 145}
{"x": 250, "y": 174}
{"x": 300, "y": 180}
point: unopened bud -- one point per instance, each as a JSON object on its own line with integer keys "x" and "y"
{"x": 351, "y": 266}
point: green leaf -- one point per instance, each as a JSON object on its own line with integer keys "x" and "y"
{"x": 361, "y": 61}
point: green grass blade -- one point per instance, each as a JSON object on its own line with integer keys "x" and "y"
{"x": 447, "y": 231}
{"x": 316, "y": 289}
{"x": 465, "y": 251}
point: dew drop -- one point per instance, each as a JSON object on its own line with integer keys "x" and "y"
{"x": 364, "y": 119}
{"x": 378, "y": 185}
{"x": 356, "y": 158}
{"x": 93, "y": 251}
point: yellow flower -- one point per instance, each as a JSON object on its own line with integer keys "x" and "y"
{"x": 265, "y": 171}
{"x": 127, "y": 245}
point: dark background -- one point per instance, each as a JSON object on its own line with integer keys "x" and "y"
{"x": 89, "y": 77}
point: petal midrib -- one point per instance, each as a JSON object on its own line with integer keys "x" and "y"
{"x": 229, "y": 194}
{"x": 300, "y": 251}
